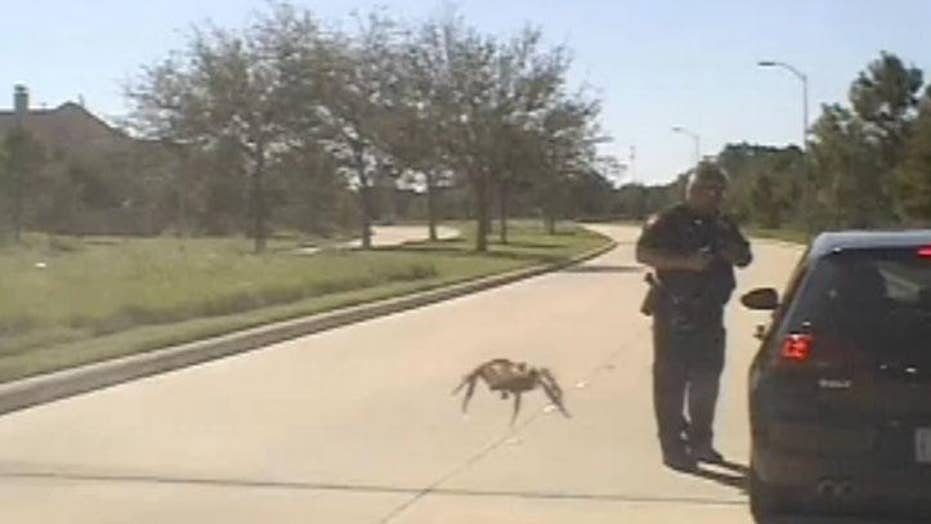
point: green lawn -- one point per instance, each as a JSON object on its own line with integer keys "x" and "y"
{"x": 65, "y": 302}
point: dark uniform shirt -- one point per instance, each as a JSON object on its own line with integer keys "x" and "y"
{"x": 693, "y": 297}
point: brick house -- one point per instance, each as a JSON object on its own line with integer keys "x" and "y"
{"x": 90, "y": 186}
{"x": 65, "y": 127}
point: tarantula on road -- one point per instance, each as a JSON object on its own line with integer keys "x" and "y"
{"x": 514, "y": 378}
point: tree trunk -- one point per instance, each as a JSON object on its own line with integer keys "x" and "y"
{"x": 431, "y": 206}
{"x": 258, "y": 201}
{"x": 549, "y": 219}
{"x": 481, "y": 208}
{"x": 365, "y": 195}
{"x": 180, "y": 179}
{"x": 17, "y": 204}
{"x": 503, "y": 209}
{"x": 17, "y": 172}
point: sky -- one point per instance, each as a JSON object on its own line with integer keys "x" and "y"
{"x": 655, "y": 64}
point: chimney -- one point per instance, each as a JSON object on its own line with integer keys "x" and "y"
{"x": 20, "y": 103}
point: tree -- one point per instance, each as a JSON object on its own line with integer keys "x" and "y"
{"x": 528, "y": 82}
{"x": 411, "y": 134}
{"x": 567, "y": 141}
{"x": 765, "y": 182}
{"x": 463, "y": 64}
{"x": 766, "y": 202}
{"x": 591, "y": 195}
{"x": 24, "y": 158}
{"x": 359, "y": 83}
{"x": 884, "y": 96}
{"x": 847, "y": 162}
{"x": 632, "y": 201}
{"x": 231, "y": 88}
{"x": 915, "y": 173}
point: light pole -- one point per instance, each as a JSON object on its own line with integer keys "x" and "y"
{"x": 804, "y": 78}
{"x": 695, "y": 137}
{"x": 633, "y": 158}
{"x": 809, "y": 217}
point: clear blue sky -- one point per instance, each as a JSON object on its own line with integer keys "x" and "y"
{"x": 656, "y": 63}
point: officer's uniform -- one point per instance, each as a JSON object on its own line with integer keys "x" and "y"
{"x": 688, "y": 327}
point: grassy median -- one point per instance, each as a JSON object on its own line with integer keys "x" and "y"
{"x": 66, "y": 302}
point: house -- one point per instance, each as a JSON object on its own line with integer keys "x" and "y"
{"x": 66, "y": 127}
{"x": 86, "y": 182}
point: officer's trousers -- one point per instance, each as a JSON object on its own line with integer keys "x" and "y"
{"x": 687, "y": 368}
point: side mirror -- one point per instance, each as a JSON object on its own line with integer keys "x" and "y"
{"x": 765, "y": 298}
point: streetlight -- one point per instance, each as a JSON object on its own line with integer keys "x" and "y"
{"x": 695, "y": 137}
{"x": 809, "y": 218}
{"x": 633, "y": 158}
{"x": 801, "y": 76}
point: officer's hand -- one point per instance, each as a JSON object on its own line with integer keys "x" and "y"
{"x": 699, "y": 260}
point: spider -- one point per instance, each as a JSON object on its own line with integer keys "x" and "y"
{"x": 508, "y": 377}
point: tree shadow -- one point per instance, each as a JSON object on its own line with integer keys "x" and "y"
{"x": 603, "y": 268}
{"x": 459, "y": 252}
{"x": 530, "y": 245}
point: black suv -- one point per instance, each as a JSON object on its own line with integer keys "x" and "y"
{"x": 840, "y": 390}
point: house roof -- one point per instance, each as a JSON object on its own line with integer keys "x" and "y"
{"x": 66, "y": 126}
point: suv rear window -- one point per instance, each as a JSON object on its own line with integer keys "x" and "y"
{"x": 871, "y": 299}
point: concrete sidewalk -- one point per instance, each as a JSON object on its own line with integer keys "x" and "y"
{"x": 383, "y": 236}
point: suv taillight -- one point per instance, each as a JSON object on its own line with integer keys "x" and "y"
{"x": 796, "y": 347}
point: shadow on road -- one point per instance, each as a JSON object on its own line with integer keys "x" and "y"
{"x": 603, "y": 268}
{"x": 437, "y": 249}
{"x": 734, "y": 475}
{"x": 529, "y": 245}
{"x": 360, "y": 488}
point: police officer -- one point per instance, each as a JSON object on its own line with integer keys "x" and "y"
{"x": 693, "y": 248}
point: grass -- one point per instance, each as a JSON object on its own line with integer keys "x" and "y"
{"x": 67, "y": 302}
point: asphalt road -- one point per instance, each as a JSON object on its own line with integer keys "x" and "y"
{"x": 358, "y": 424}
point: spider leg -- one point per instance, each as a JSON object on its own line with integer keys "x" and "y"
{"x": 470, "y": 378}
{"x": 516, "y": 408}
{"x": 461, "y": 384}
{"x": 556, "y": 400}
{"x": 550, "y": 380}
{"x": 468, "y": 395}
{"x": 553, "y": 391}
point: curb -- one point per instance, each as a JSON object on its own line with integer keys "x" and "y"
{"x": 57, "y": 385}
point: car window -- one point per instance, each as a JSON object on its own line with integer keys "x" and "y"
{"x": 868, "y": 299}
